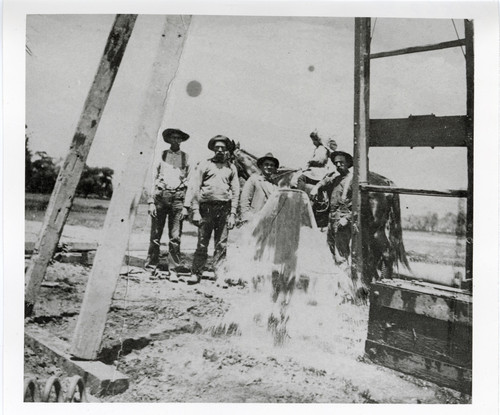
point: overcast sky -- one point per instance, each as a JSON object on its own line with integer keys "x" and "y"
{"x": 266, "y": 82}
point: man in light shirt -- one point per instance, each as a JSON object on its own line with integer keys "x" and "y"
{"x": 259, "y": 187}
{"x": 214, "y": 201}
{"x": 316, "y": 167}
{"x": 167, "y": 198}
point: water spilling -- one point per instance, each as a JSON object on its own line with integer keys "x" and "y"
{"x": 294, "y": 286}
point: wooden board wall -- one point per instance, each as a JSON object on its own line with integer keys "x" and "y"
{"x": 423, "y": 330}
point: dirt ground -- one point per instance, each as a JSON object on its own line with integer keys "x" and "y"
{"x": 206, "y": 343}
{"x": 192, "y": 355}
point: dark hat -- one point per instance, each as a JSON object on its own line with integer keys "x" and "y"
{"x": 169, "y": 132}
{"x": 223, "y": 138}
{"x": 347, "y": 156}
{"x": 268, "y": 156}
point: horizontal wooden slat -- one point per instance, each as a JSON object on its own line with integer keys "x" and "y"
{"x": 433, "y": 370}
{"x": 423, "y": 299}
{"x": 416, "y": 49}
{"x": 420, "y": 131}
{"x": 408, "y": 191}
{"x": 438, "y": 339}
{"x": 86, "y": 246}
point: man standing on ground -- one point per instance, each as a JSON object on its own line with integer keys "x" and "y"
{"x": 214, "y": 201}
{"x": 258, "y": 187}
{"x": 167, "y": 198}
{"x": 340, "y": 217}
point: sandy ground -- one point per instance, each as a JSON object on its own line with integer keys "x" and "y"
{"x": 195, "y": 356}
{"x": 210, "y": 344}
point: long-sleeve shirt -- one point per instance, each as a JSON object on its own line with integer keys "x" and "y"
{"x": 317, "y": 166}
{"x": 254, "y": 195}
{"x": 171, "y": 172}
{"x": 320, "y": 157}
{"x": 341, "y": 194}
{"x": 214, "y": 182}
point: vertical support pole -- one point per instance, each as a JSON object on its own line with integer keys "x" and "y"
{"x": 123, "y": 206}
{"x": 61, "y": 200}
{"x": 469, "y": 73}
{"x": 361, "y": 139}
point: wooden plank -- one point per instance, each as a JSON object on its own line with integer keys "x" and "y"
{"x": 420, "y": 131}
{"x": 424, "y": 299}
{"x": 64, "y": 191}
{"x": 361, "y": 140}
{"x": 122, "y": 209}
{"x": 417, "y": 49}
{"x": 408, "y": 191}
{"x": 433, "y": 370}
{"x": 100, "y": 379}
{"x": 469, "y": 74}
{"x": 442, "y": 340}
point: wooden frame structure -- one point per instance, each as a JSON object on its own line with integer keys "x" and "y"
{"x": 123, "y": 206}
{"x": 434, "y": 131}
{"x": 414, "y": 131}
{"x": 421, "y": 329}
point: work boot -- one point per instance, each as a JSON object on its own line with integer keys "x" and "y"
{"x": 173, "y": 277}
{"x": 193, "y": 279}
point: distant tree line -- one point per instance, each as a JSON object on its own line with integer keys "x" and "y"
{"x": 431, "y": 222}
{"x": 41, "y": 172}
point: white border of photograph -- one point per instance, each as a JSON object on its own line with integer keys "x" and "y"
{"x": 486, "y": 294}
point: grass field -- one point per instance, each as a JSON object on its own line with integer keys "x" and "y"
{"x": 428, "y": 247}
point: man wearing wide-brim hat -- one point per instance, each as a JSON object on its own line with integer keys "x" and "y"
{"x": 166, "y": 200}
{"x": 258, "y": 187}
{"x": 339, "y": 185}
{"x": 213, "y": 199}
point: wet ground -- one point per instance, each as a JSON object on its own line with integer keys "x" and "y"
{"x": 209, "y": 344}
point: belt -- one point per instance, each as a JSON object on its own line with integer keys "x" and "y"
{"x": 173, "y": 190}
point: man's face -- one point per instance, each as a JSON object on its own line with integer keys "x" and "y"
{"x": 315, "y": 140}
{"x": 340, "y": 163}
{"x": 175, "y": 141}
{"x": 268, "y": 168}
{"x": 220, "y": 150}
{"x": 332, "y": 145}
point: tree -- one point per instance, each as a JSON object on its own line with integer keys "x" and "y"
{"x": 28, "y": 168}
{"x": 96, "y": 181}
{"x": 43, "y": 173}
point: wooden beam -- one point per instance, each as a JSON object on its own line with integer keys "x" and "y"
{"x": 430, "y": 300}
{"x": 469, "y": 74}
{"x": 408, "y": 191}
{"x": 122, "y": 209}
{"x": 437, "y": 339}
{"x": 361, "y": 140}
{"x": 101, "y": 379}
{"x": 64, "y": 191}
{"x": 416, "y": 49}
{"x": 433, "y": 370}
{"x": 420, "y": 131}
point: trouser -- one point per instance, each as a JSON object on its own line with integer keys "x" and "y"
{"x": 339, "y": 240}
{"x": 214, "y": 217}
{"x": 169, "y": 204}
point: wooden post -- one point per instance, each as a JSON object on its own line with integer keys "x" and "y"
{"x": 122, "y": 209}
{"x": 62, "y": 196}
{"x": 469, "y": 73}
{"x": 361, "y": 136}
